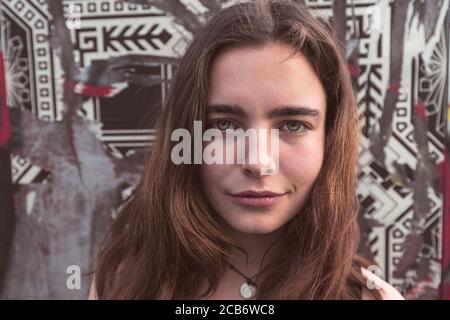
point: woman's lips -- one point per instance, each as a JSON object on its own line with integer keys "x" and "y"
{"x": 257, "y": 198}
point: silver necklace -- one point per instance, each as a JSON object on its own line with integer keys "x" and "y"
{"x": 248, "y": 288}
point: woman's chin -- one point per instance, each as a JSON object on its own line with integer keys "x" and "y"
{"x": 253, "y": 227}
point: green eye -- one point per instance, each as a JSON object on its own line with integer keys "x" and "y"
{"x": 293, "y": 126}
{"x": 223, "y": 124}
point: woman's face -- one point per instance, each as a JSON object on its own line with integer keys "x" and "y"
{"x": 266, "y": 91}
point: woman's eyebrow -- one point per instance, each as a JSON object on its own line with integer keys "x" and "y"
{"x": 225, "y": 108}
{"x": 286, "y": 110}
{"x": 294, "y": 111}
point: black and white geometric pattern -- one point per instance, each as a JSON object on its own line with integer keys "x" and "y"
{"x": 109, "y": 29}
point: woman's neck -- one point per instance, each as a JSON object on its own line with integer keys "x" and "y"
{"x": 259, "y": 247}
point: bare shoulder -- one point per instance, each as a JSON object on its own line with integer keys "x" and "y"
{"x": 387, "y": 291}
{"x": 92, "y": 292}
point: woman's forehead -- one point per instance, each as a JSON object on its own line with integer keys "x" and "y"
{"x": 267, "y": 75}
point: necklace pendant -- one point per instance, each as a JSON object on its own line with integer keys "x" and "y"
{"x": 247, "y": 290}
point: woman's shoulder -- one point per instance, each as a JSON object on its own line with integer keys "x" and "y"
{"x": 374, "y": 282}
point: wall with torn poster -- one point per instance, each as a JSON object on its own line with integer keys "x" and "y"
{"x": 83, "y": 82}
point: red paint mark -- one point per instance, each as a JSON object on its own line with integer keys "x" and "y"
{"x": 421, "y": 110}
{"x": 88, "y": 90}
{"x": 418, "y": 289}
{"x": 93, "y": 91}
{"x": 394, "y": 87}
{"x": 446, "y": 292}
{"x": 354, "y": 69}
{"x": 5, "y": 130}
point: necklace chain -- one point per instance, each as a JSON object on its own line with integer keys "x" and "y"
{"x": 249, "y": 280}
{"x": 250, "y": 284}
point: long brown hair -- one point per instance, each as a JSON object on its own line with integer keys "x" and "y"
{"x": 166, "y": 239}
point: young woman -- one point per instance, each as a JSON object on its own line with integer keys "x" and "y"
{"x": 245, "y": 231}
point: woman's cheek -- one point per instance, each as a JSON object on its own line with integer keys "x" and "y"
{"x": 211, "y": 174}
{"x": 301, "y": 161}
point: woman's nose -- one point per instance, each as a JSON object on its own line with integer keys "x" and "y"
{"x": 258, "y": 171}
{"x": 262, "y": 156}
